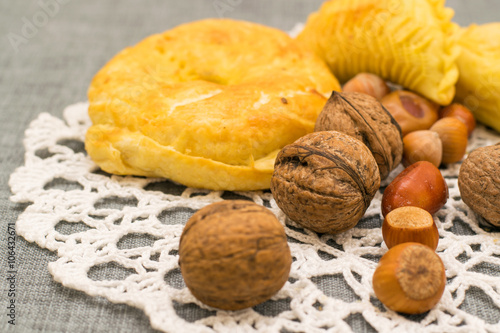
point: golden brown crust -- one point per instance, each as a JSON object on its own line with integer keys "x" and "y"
{"x": 208, "y": 104}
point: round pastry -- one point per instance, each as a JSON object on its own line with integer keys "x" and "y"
{"x": 406, "y": 42}
{"x": 208, "y": 104}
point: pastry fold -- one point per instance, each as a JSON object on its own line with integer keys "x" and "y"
{"x": 408, "y": 42}
{"x": 478, "y": 86}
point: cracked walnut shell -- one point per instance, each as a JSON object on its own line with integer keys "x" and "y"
{"x": 479, "y": 183}
{"x": 364, "y": 118}
{"x": 325, "y": 181}
{"x": 234, "y": 254}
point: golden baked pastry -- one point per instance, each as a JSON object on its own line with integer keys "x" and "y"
{"x": 404, "y": 41}
{"x": 479, "y": 68}
{"x": 208, "y": 104}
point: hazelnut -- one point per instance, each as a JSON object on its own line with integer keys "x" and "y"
{"x": 325, "y": 181}
{"x": 423, "y": 145}
{"x": 462, "y": 113}
{"x": 364, "y": 118}
{"x": 410, "y": 278}
{"x": 479, "y": 183}
{"x": 367, "y": 83}
{"x": 411, "y": 111}
{"x": 453, "y": 135}
{"x": 234, "y": 254}
{"x": 410, "y": 224}
{"x": 421, "y": 185}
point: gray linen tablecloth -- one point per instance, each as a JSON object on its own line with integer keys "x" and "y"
{"x": 47, "y": 66}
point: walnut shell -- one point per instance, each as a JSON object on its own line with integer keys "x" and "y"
{"x": 364, "y": 118}
{"x": 479, "y": 182}
{"x": 325, "y": 181}
{"x": 234, "y": 254}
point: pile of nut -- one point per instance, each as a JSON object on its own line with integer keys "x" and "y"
{"x": 234, "y": 254}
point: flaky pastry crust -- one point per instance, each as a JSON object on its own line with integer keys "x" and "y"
{"x": 477, "y": 86}
{"x": 208, "y": 104}
{"x": 408, "y": 42}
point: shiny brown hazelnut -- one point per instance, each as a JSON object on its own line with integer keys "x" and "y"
{"x": 462, "y": 113}
{"x": 410, "y": 278}
{"x": 410, "y": 224}
{"x": 453, "y": 135}
{"x": 421, "y": 185}
{"x": 411, "y": 111}
{"x": 367, "y": 83}
{"x": 423, "y": 145}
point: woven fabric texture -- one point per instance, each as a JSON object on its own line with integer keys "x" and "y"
{"x": 63, "y": 44}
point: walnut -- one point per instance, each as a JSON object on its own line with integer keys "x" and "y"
{"x": 479, "y": 182}
{"x": 234, "y": 254}
{"x": 325, "y": 181}
{"x": 364, "y": 118}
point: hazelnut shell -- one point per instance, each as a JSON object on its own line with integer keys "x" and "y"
{"x": 453, "y": 135}
{"x": 462, "y": 113}
{"x": 421, "y": 185}
{"x": 422, "y": 145}
{"x": 367, "y": 83}
{"x": 412, "y": 111}
{"x": 410, "y": 278}
{"x": 410, "y": 224}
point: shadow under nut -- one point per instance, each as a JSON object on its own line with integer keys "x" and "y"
{"x": 325, "y": 181}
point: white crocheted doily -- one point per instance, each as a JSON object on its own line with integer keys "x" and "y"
{"x": 117, "y": 237}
